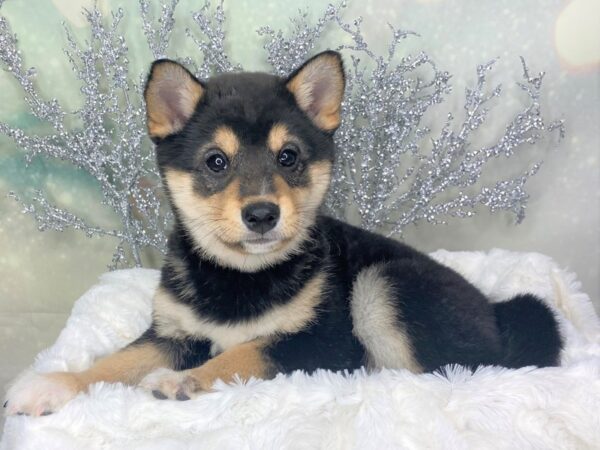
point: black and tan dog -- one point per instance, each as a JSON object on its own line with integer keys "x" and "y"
{"x": 256, "y": 282}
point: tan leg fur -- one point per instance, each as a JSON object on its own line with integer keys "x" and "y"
{"x": 43, "y": 393}
{"x": 244, "y": 360}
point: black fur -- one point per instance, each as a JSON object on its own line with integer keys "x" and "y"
{"x": 182, "y": 354}
{"x": 249, "y": 103}
{"x": 447, "y": 320}
{"x": 528, "y": 331}
{"x": 226, "y": 295}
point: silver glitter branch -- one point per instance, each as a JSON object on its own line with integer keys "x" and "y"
{"x": 211, "y": 46}
{"x": 390, "y": 171}
{"x": 285, "y": 53}
{"x": 106, "y": 140}
{"x": 158, "y": 37}
{"x": 387, "y": 176}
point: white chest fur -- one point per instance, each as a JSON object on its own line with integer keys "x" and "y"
{"x": 175, "y": 319}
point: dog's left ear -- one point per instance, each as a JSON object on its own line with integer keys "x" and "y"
{"x": 318, "y": 87}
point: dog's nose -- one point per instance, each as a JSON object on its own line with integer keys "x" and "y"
{"x": 261, "y": 217}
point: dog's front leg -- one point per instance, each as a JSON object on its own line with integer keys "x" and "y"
{"x": 39, "y": 394}
{"x": 244, "y": 361}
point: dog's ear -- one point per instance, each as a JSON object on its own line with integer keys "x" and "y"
{"x": 318, "y": 87}
{"x": 171, "y": 94}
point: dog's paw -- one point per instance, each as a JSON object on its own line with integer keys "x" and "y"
{"x": 40, "y": 394}
{"x": 169, "y": 384}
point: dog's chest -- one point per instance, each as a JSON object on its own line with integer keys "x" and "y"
{"x": 178, "y": 320}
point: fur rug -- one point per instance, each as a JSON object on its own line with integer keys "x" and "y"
{"x": 491, "y": 408}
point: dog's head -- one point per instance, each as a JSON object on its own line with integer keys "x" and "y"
{"x": 246, "y": 158}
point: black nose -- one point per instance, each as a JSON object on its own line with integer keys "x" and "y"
{"x": 261, "y": 217}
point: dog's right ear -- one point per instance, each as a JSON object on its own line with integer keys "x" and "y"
{"x": 171, "y": 94}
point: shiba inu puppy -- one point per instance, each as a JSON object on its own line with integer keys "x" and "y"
{"x": 256, "y": 282}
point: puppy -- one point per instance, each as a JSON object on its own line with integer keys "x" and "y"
{"x": 256, "y": 282}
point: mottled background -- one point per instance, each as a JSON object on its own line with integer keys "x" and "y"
{"x": 42, "y": 274}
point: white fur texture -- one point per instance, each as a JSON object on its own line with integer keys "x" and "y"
{"x": 169, "y": 383}
{"x": 37, "y": 394}
{"x": 493, "y": 408}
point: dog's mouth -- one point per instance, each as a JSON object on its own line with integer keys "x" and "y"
{"x": 261, "y": 243}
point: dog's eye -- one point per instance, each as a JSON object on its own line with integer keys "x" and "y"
{"x": 217, "y": 162}
{"x": 288, "y": 156}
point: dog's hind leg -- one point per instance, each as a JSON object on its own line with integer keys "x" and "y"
{"x": 416, "y": 314}
{"x": 377, "y": 322}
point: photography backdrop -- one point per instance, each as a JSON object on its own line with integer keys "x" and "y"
{"x": 42, "y": 274}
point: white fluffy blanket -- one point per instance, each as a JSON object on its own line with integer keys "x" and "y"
{"x": 493, "y": 408}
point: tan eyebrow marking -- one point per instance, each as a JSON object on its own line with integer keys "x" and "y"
{"x": 226, "y": 139}
{"x": 278, "y": 135}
